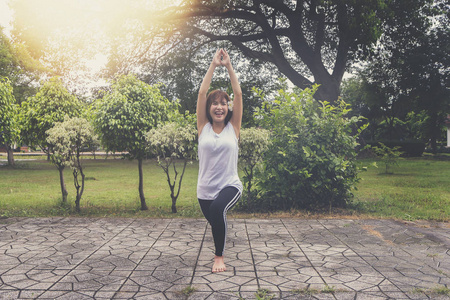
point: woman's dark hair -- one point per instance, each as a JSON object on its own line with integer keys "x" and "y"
{"x": 217, "y": 94}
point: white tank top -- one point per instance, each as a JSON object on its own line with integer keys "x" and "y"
{"x": 218, "y": 159}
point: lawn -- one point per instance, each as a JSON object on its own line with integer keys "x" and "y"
{"x": 418, "y": 189}
{"x": 32, "y": 188}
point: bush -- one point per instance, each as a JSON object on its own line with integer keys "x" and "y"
{"x": 311, "y": 161}
{"x": 173, "y": 142}
{"x": 253, "y": 143}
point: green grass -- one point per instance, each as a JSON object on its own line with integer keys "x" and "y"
{"x": 32, "y": 189}
{"x": 418, "y": 189}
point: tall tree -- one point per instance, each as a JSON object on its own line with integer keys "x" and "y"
{"x": 428, "y": 78}
{"x": 16, "y": 73}
{"x": 303, "y": 39}
{"x": 124, "y": 116}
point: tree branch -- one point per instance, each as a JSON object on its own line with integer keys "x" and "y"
{"x": 344, "y": 44}
{"x": 181, "y": 179}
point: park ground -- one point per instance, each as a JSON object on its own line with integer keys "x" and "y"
{"x": 419, "y": 188}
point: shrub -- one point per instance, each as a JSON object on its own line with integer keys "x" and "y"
{"x": 67, "y": 140}
{"x": 171, "y": 142}
{"x": 253, "y": 143}
{"x": 311, "y": 160}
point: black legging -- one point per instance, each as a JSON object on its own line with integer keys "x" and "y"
{"x": 215, "y": 211}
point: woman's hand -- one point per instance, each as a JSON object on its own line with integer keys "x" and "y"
{"x": 217, "y": 58}
{"x": 225, "y": 58}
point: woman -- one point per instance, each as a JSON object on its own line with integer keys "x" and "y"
{"x": 219, "y": 187}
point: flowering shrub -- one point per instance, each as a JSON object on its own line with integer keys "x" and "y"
{"x": 253, "y": 143}
{"x": 67, "y": 140}
{"x": 171, "y": 143}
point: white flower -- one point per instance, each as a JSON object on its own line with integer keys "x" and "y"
{"x": 230, "y": 105}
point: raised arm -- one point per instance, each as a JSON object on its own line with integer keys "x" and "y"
{"x": 236, "y": 118}
{"x": 202, "y": 93}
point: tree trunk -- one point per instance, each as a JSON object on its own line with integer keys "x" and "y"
{"x": 174, "y": 205}
{"x": 435, "y": 132}
{"x": 141, "y": 186}
{"x": 329, "y": 89}
{"x": 63, "y": 185}
{"x": 78, "y": 187}
{"x": 10, "y": 155}
{"x": 172, "y": 194}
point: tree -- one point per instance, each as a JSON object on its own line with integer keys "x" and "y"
{"x": 429, "y": 80}
{"x": 9, "y": 131}
{"x": 125, "y": 114}
{"x": 318, "y": 38}
{"x": 170, "y": 143}
{"x": 389, "y": 156}
{"x": 68, "y": 139}
{"x": 377, "y": 101}
{"x": 40, "y": 113}
{"x": 21, "y": 70}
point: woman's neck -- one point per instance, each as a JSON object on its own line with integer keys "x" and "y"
{"x": 218, "y": 127}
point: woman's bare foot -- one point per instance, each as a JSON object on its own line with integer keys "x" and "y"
{"x": 219, "y": 265}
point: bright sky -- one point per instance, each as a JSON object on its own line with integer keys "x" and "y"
{"x": 80, "y": 26}
{"x": 5, "y": 16}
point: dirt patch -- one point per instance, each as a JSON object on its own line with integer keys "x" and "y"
{"x": 376, "y": 233}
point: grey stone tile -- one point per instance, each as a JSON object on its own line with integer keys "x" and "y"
{"x": 87, "y": 258}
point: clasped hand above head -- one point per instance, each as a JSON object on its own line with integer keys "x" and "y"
{"x": 221, "y": 58}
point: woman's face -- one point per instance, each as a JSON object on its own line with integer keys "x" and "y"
{"x": 218, "y": 110}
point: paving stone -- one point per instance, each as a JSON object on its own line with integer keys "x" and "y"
{"x": 124, "y": 258}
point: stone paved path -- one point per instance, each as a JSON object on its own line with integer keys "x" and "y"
{"x": 81, "y": 258}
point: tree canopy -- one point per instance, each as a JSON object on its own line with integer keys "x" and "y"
{"x": 40, "y": 113}
{"x": 309, "y": 41}
{"x": 406, "y": 80}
